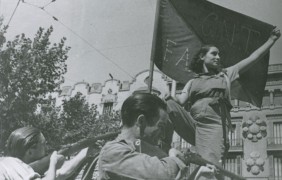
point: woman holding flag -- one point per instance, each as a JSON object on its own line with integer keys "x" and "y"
{"x": 208, "y": 99}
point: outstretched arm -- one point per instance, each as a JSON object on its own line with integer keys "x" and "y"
{"x": 245, "y": 64}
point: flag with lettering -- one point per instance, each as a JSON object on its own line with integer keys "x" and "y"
{"x": 184, "y": 25}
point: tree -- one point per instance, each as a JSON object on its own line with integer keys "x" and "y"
{"x": 50, "y": 124}
{"x": 81, "y": 121}
{"x": 30, "y": 69}
{"x": 106, "y": 123}
{"x": 78, "y": 118}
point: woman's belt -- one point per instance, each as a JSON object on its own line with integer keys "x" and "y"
{"x": 224, "y": 108}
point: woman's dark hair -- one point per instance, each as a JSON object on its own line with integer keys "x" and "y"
{"x": 21, "y": 140}
{"x": 196, "y": 64}
{"x": 141, "y": 103}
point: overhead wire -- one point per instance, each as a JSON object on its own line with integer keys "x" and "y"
{"x": 32, "y": 4}
{"x": 18, "y": 3}
{"x": 84, "y": 40}
{"x": 125, "y": 46}
{"x": 48, "y": 4}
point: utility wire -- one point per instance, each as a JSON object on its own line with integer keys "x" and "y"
{"x": 79, "y": 36}
{"x": 48, "y": 4}
{"x": 130, "y": 45}
{"x": 13, "y": 12}
{"x": 32, "y": 5}
{"x": 97, "y": 50}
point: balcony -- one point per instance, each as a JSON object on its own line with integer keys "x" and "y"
{"x": 274, "y": 68}
{"x": 236, "y": 145}
{"x": 274, "y": 143}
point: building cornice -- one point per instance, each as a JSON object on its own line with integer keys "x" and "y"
{"x": 274, "y": 68}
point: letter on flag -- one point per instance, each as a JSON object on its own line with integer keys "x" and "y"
{"x": 184, "y": 25}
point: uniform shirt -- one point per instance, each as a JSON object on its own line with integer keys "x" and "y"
{"x": 207, "y": 85}
{"x": 120, "y": 160}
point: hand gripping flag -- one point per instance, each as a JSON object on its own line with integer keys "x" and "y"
{"x": 184, "y": 25}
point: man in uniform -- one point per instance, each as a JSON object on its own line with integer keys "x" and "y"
{"x": 143, "y": 116}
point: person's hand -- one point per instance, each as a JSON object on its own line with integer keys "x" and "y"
{"x": 34, "y": 176}
{"x": 57, "y": 159}
{"x": 207, "y": 171}
{"x": 175, "y": 153}
{"x": 275, "y": 34}
{"x": 70, "y": 167}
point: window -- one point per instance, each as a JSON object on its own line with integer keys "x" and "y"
{"x": 233, "y": 164}
{"x": 277, "y": 98}
{"x": 277, "y": 132}
{"x": 108, "y": 107}
{"x": 233, "y": 136}
{"x": 277, "y": 167}
{"x": 185, "y": 145}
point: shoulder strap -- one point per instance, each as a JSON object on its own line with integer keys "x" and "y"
{"x": 189, "y": 93}
{"x": 228, "y": 86}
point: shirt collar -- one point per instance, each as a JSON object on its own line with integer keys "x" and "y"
{"x": 121, "y": 138}
{"x": 221, "y": 73}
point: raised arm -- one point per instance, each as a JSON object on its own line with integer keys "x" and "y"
{"x": 245, "y": 64}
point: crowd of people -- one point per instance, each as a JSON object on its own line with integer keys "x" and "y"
{"x": 134, "y": 154}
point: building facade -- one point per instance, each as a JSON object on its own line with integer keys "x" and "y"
{"x": 255, "y": 142}
{"x": 109, "y": 96}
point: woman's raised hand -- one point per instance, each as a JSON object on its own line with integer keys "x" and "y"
{"x": 275, "y": 34}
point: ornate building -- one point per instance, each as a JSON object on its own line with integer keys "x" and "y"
{"x": 256, "y": 142}
{"x": 110, "y": 94}
{"x": 256, "y": 139}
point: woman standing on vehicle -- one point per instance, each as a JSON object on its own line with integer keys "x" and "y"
{"x": 208, "y": 98}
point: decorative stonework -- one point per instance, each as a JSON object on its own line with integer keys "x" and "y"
{"x": 96, "y": 88}
{"x": 255, "y": 163}
{"x": 108, "y": 98}
{"x": 254, "y": 128}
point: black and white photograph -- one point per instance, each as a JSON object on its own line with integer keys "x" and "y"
{"x": 140, "y": 90}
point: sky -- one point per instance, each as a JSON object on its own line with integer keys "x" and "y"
{"x": 112, "y": 36}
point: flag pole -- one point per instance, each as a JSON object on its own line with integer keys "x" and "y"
{"x": 151, "y": 71}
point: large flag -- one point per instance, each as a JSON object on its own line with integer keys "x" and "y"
{"x": 184, "y": 25}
